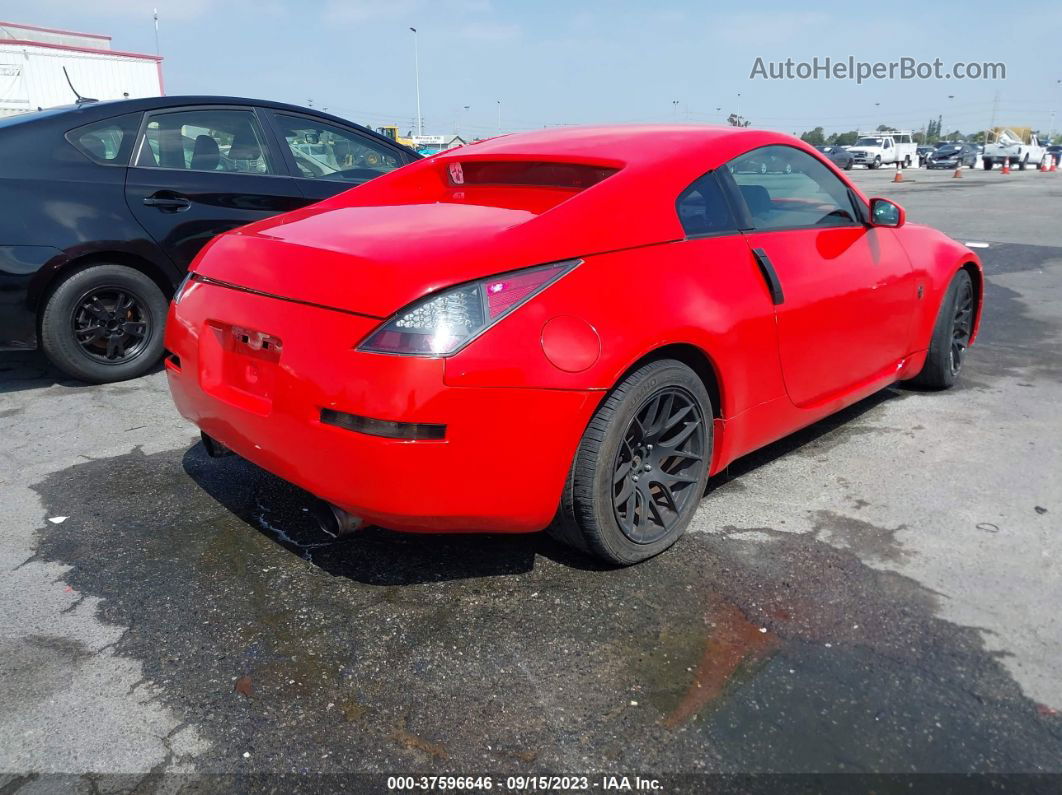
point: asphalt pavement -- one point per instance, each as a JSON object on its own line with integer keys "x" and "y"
{"x": 878, "y": 593}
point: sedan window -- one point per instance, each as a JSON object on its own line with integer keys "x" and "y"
{"x": 108, "y": 142}
{"x": 205, "y": 140}
{"x": 785, "y": 188}
{"x": 324, "y": 151}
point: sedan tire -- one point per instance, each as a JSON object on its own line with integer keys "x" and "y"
{"x": 641, "y": 467}
{"x": 104, "y": 323}
{"x": 951, "y": 335}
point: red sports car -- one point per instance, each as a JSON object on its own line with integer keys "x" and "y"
{"x": 570, "y": 328}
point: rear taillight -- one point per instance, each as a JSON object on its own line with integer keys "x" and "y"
{"x": 443, "y": 323}
{"x": 182, "y": 288}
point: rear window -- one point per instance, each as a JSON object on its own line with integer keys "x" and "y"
{"x": 575, "y": 176}
{"x": 109, "y": 142}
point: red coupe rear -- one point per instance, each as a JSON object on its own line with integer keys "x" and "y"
{"x": 571, "y": 328}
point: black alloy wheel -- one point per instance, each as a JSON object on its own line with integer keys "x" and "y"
{"x": 111, "y": 324}
{"x": 961, "y": 324}
{"x": 951, "y": 334}
{"x": 656, "y": 470}
{"x": 103, "y": 323}
{"x": 641, "y": 467}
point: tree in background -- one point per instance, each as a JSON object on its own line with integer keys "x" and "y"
{"x": 816, "y": 137}
{"x": 933, "y": 131}
{"x": 737, "y": 121}
{"x": 843, "y": 139}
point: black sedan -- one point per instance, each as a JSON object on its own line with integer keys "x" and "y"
{"x": 1055, "y": 151}
{"x": 840, "y": 156}
{"x": 106, "y": 204}
{"x": 953, "y": 156}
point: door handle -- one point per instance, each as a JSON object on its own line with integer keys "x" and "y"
{"x": 167, "y": 204}
{"x": 769, "y": 275}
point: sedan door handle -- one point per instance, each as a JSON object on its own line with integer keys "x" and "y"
{"x": 167, "y": 204}
{"x": 769, "y": 275}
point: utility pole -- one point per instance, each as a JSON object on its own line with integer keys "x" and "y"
{"x": 499, "y": 117}
{"x": 995, "y": 107}
{"x": 156, "y": 31}
{"x": 416, "y": 67}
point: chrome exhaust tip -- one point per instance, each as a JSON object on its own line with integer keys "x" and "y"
{"x": 344, "y": 523}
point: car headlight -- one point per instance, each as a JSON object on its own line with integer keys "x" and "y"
{"x": 442, "y": 323}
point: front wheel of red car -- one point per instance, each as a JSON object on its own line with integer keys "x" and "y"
{"x": 951, "y": 335}
{"x": 641, "y": 467}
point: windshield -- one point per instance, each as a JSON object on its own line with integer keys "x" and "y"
{"x": 949, "y": 149}
{"x": 868, "y": 142}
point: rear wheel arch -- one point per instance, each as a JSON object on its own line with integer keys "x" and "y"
{"x": 978, "y": 279}
{"x": 693, "y": 357}
{"x": 132, "y": 261}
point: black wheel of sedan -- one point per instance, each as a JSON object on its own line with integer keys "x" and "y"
{"x": 104, "y": 323}
{"x": 951, "y": 335}
{"x": 641, "y": 467}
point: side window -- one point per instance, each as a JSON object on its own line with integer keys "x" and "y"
{"x": 108, "y": 142}
{"x": 323, "y": 151}
{"x": 703, "y": 210}
{"x": 205, "y": 140}
{"x": 785, "y": 188}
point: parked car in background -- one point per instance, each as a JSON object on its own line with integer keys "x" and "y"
{"x": 766, "y": 163}
{"x": 923, "y": 152}
{"x": 953, "y": 156}
{"x": 1055, "y": 151}
{"x": 105, "y": 205}
{"x": 400, "y": 327}
{"x": 838, "y": 155}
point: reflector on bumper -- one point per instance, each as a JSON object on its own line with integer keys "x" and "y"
{"x": 386, "y": 428}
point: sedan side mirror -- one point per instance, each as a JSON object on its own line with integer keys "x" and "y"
{"x": 886, "y": 213}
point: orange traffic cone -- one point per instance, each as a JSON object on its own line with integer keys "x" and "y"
{"x": 958, "y": 172}
{"x": 1043, "y": 165}
{"x": 1006, "y": 166}
{"x": 1054, "y": 164}
{"x": 899, "y": 173}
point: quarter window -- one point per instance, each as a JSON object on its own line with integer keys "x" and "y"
{"x": 785, "y": 188}
{"x": 205, "y": 140}
{"x": 323, "y": 151}
{"x": 703, "y": 210}
{"x": 109, "y": 141}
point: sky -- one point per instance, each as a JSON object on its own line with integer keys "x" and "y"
{"x": 549, "y": 62}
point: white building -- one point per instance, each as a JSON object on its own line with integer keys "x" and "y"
{"x": 32, "y": 60}
{"x": 430, "y": 144}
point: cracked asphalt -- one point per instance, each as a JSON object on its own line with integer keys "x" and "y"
{"x": 877, "y": 594}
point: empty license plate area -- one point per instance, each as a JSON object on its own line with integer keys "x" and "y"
{"x": 239, "y": 365}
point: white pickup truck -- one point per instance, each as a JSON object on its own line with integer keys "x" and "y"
{"x": 1018, "y": 144}
{"x": 875, "y": 149}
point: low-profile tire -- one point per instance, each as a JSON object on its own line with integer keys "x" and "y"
{"x": 104, "y": 323}
{"x": 951, "y": 335}
{"x": 987, "y": 164}
{"x": 641, "y": 467}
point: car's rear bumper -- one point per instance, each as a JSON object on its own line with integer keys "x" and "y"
{"x": 500, "y": 467}
{"x": 18, "y": 320}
